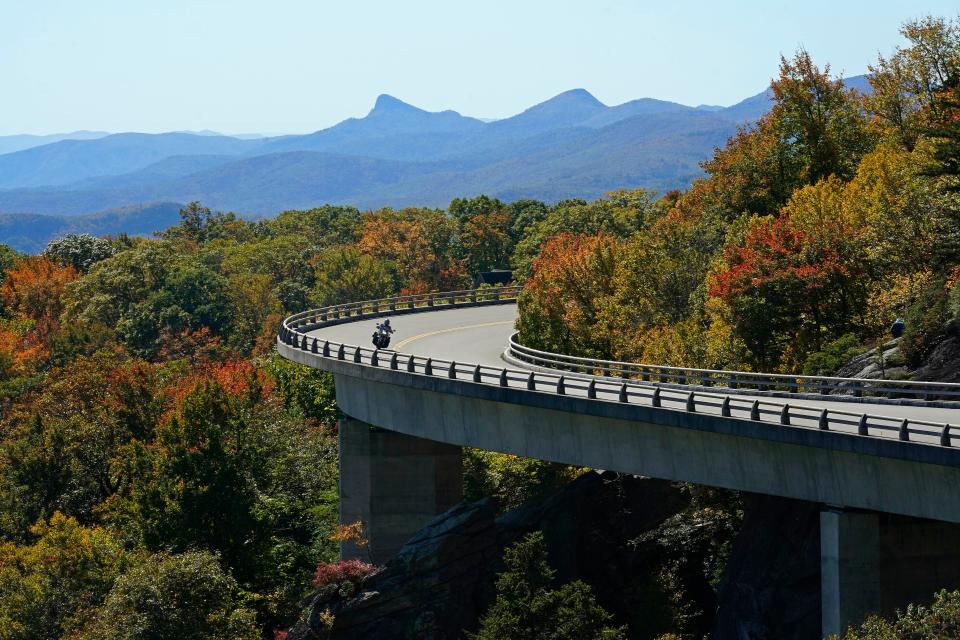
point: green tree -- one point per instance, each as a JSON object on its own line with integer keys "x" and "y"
{"x": 938, "y": 621}
{"x": 530, "y": 607}
{"x": 344, "y": 274}
{"x": 186, "y": 596}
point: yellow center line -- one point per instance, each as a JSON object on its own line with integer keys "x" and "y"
{"x": 403, "y": 343}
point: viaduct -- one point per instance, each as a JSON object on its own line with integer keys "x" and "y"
{"x": 879, "y": 456}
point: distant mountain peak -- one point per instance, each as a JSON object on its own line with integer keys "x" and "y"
{"x": 388, "y": 104}
{"x": 577, "y": 95}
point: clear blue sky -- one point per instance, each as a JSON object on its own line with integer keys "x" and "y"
{"x": 301, "y": 65}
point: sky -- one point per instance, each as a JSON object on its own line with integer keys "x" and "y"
{"x": 293, "y": 66}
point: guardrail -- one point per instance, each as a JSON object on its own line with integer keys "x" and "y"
{"x": 626, "y": 390}
{"x": 824, "y": 385}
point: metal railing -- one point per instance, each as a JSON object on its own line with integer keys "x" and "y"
{"x": 602, "y": 388}
{"x": 399, "y": 304}
{"x": 824, "y": 385}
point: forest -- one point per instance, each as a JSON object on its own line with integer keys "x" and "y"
{"x": 164, "y": 474}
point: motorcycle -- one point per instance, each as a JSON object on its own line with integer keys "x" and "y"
{"x": 381, "y": 338}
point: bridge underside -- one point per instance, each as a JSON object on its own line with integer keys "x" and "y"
{"x": 870, "y": 563}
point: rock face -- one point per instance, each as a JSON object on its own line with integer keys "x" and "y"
{"x": 771, "y": 587}
{"x": 943, "y": 363}
{"x": 442, "y": 580}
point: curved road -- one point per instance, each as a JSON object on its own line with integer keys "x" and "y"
{"x": 479, "y": 335}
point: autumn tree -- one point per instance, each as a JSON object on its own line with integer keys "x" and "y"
{"x": 791, "y": 284}
{"x": 620, "y": 214}
{"x": 573, "y": 280}
{"x": 420, "y": 243}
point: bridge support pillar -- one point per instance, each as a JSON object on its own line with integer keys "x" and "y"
{"x": 394, "y": 484}
{"x": 880, "y": 563}
{"x": 849, "y": 568}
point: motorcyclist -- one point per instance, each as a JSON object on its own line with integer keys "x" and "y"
{"x": 385, "y": 326}
{"x": 381, "y": 338}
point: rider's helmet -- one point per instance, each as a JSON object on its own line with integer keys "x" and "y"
{"x": 386, "y": 322}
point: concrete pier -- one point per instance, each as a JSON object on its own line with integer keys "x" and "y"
{"x": 394, "y": 484}
{"x": 875, "y": 563}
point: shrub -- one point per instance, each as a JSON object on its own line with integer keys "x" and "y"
{"x": 342, "y": 571}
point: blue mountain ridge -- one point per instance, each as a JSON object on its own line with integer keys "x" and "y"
{"x": 571, "y": 145}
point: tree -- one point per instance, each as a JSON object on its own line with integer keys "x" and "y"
{"x": 420, "y": 243}
{"x": 81, "y": 251}
{"x": 529, "y": 607}
{"x": 485, "y": 241}
{"x": 462, "y": 209}
{"x": 186, "y": 596}
{"x": 815, "y": 129}
{"x": 938, "y": 621}
{"x": 793, "y": 283}
{"x": 573, "y": 279}
{"x": 8, "y": 257}
{"x": 199, "y": 225}
{"x": 620, "y": 214}
{"x": 343, "y": 274}
{"x": 820, "y": 120}
{"x": 48, "y": 587}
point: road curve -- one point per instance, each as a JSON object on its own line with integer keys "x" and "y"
{"x": 479, "y": 335}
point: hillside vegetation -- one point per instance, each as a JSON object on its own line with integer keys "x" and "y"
{"x": 834, "y": 215}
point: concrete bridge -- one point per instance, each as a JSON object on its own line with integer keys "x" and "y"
{"x": 881, "y": 460}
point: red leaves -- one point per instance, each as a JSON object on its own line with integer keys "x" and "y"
{"x": 776, "y": 252}
{"x": 342, "y": 571}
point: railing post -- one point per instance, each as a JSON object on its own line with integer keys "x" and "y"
{"x": 755, "y": 410}
{"x": 453, "y": 370}
{"x": 945, "y": 436}
{"x": 691, "y": 405}
{"x": 785, "y": 414}
{"x": 393, "y": 360}
{"x": 824, "y": 423}
{"x": 374, "y": 359}
{"x": 411, "y": 365}
{"x": 314, "y": 346}
{"x": 904, "y": 431}
{"x": 476, "y": 374}
{"x": 428, "y": 368}
{"x": 356, "y": 355}
{"x": 561, "y": 390}
{"x": 531, "y": 383}
{"x": 473, "y": 296}
{"x": 725, "y": 407}
{"x": 862, "y": 428}
{"x": 858, "y": 390}
{"x": 503, "y": 378}
{"x": 592, "y": 389}
{"x": 623, "y": 393}
{"x": 340, "y": 353}
{"x": 430, "y": 300}
{"x": 326, "y": 348}
{"x": 655, "y": 400}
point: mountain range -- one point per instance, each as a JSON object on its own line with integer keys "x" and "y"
{"x": 571, "y": 145}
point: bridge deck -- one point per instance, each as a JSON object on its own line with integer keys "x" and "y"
{"x": 479, "y": 335}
